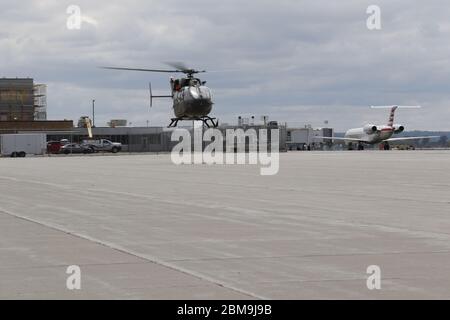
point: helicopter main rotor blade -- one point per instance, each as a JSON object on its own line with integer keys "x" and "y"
{"x": 183, "y": 68}
{"x": 178, "y": 65}
{"x": 145, "y": 70}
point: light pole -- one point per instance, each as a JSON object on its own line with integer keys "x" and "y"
{"x": 93, "y": 112}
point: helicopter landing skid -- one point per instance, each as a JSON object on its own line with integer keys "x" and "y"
{"x": 207, "y": 121}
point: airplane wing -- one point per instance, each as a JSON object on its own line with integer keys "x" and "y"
{"x": 341, "y": 139}
{"x": 411, "y": 138}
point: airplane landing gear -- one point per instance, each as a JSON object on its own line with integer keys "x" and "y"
{"x": 360, "y": 146}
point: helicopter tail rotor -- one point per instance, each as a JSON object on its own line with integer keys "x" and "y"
{"x": 152, "y": 96}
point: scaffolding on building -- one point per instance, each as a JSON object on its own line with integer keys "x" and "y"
{"x": 40, "y": 102}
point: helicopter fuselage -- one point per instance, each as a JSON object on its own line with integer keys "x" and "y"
{"x": 191, "y": 98}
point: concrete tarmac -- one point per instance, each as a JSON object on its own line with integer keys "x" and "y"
{"x": 140, "y": 227}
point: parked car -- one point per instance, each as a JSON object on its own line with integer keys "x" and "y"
{"x": 76, "y": 148}
{"x": 54, "y": 146}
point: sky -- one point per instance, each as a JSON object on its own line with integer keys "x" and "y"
{"x": 300, "y": 62}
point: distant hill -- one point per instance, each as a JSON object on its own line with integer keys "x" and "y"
{"x": 425, "y": 133}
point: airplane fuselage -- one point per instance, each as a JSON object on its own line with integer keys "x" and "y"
{"x": 382, "y": 133}
{"x": 373, "y": 134}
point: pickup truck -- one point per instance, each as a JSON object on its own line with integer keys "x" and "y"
{"x": 103, "y": 145}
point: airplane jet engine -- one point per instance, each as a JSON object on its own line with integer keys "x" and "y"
{"x": 398, "y": 128}
{"x": 370, "y": 128}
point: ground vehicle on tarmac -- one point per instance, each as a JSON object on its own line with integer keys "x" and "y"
{"x": 19, "y": 145}
{"x": 103, "y": 145}
{"x": 72, "y": 148}
{"x": 54, "y": 147}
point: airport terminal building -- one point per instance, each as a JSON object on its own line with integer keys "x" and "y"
{"x": 23, "y": 109}
{"x": 146, "y": 139}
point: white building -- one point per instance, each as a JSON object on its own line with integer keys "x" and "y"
{"x": 301, "y": 138}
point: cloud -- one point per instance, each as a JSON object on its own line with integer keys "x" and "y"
{"x": 297, "y": 61}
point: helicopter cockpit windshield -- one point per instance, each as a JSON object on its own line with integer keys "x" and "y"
{"x": 194, "y": 83}
{"x": 200, "y": 92}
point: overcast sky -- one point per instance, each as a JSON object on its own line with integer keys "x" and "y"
{"x": 297, "y": 61}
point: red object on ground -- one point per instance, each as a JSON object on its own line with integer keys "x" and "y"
{"x": 53, "y": 146}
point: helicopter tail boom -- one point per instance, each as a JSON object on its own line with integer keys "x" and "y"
{"x": 155, "y": 97}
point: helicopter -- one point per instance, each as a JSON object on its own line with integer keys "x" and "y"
{"x": 192, "y": 100}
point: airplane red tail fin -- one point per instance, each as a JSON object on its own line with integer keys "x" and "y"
{"x": 393, "y": 109}
{"x": 391, "y": 116}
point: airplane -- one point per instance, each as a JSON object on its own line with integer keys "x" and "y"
{"x": 373, "y": 134}
{"x": 192, "y": 100}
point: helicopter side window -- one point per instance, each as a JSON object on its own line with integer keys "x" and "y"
{"x": 182, "y": 83}
{"x": 177, "y": 85}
